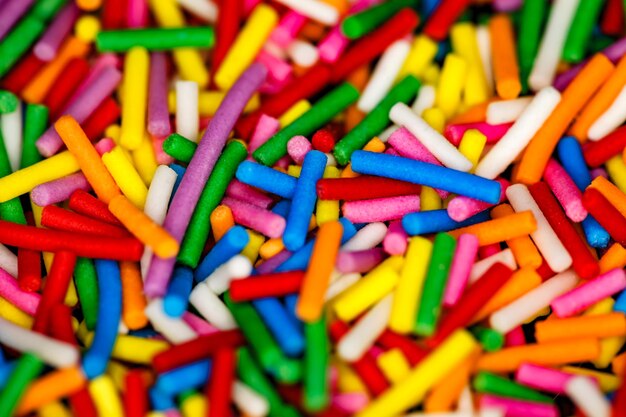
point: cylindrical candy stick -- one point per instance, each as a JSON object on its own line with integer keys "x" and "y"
{"x": 610, "y": 119}
{"x": 565, "y": 191}
{"x": 27, "y": 368}
{"x": 504, "y": 55}
{"x": 514, "y": 407}
{"x": 464, "y": 256}
{"x": 587, "y": 397}
{"x": 135, "y": 93}
{"x": 256, "y": 218}
{"x": 158, "y": 116}
{"x": 380, "y": 209}
{"x": 601, "y": 326}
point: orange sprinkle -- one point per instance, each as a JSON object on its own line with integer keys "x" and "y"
{"x": 51, "y": 387}
{"x": 133, "y": 300}
{"x": 572, "y": 101}
{"x": 523, "y": 248}
{"x": 600, "y": 326}
{"x": 374, "y": 145}
{"x": 504, "y": 56}
{"x": 38, "y": 87}
{"x": 271, "y": 247}
{"x": 446, "y": 393}
{"x": 619, "y": 364}
{"x": 143, "y": 227}
{"x": 318, "y": 274}
{"x": 613, "y": 258}
{"x": 221, "y": 220}
{"x": 600, "y": 102}
{"x": 548, "y": 354}
{"x": 615, "y": 196}
{"x": 474, "y": 114}
{"x": 88, "y": 158}
{"x": 501, "y": 229}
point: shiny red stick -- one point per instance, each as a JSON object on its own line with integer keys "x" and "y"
{"x": 363, "y": 188}
{"x": 220, "y": 386}
{"x": 104, "y": 116}
{"x": 22, "y": 73}
{"x": 597, "y": 153}
{"x": 270, "y": 285}
{"x": 86, "y": 204}
{"x": 135, "y": 396}
{"x": 606, "y": 214}
{"x": 439, "y": 23}
{"x": 61, "y": 326}
{"x": 57, "y": 218}
{"x": 82, "y": 405}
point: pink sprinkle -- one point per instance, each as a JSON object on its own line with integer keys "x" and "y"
{"x": 266, "y": 127}
{"x": 48, "y": 45}
{"x": 162, "y": 158}
{"x": 518, "y": 408}
{"x": 248, "y": 5}
{"x": 589, "y": 293}
{"x": 542, "y": 378}
{"x": 263, "y": 221}
{"x": 489, "y": 250}
{"x": 515, "y": 337}
{"x": 284, "y": 162}
{"x": 565, "y": 190}
{"x": 359, "y": 261}
{"x": 396, "y": 239}
{"x": 237, "y": 189}
{"x": 10, "y": 290}
{"x": 462, "y": 208}
{"x": 287, "y": 29}
{"x": 59, "y": 190}
{"x": 332, "y": 46}
{"x": 350, "y": 402}
{"x": 198, "y": 325}
{"x": 278, "y": 69}
{"x": 380, "y": 209}
{"x": 407, "y": 145}
{"x": 454, "y": 133}
{"x": 104, "y": 145}
{"x": 137, "y": 16}
{"x": 464, "y": 256}
{"x": 297, "y": 148}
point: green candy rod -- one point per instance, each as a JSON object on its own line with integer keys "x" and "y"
{"x": 8, "y": 102}
{"x": 376, "y": 120}
{"x": 200, "y": 225}
{"x": 179, "y": 147}
{"x": 577, "y": 41}
{"x": 435, "y": 284}
{"x": 530, "y": 30}
{"x": 47, "y": 9}
{"x": 488, "y": 383}
{"x": 11, "y": 210}
{"x": 490, "y": 339}
{"x": 155, "y": 39}
{"x": 321, "y": 113}
{"x": 27, "y": 368}
{"x": 316, "y": 359}
{"x": 360, "y": 24}
{"x": 86, "y": 282}
{"x": 25, "y": 33}
{"x": 35, "y": 124}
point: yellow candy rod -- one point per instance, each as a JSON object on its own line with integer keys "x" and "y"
{"x": 134, "y": 97}
{"x": 126, "y": 176}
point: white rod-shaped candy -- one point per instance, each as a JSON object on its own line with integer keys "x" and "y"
{"x": 531, "y": 303}
{"x": 174, "y": 330}
{"x": 12, "y": 131}
{"x": 519, "y": 135}
{"x": 547, "y": 241}
{"x": 438, "y": 145}
{"x": 366, "y": 238}
{"x": 466, "y": 401}
{"x": 484, "y": 49}
{"x": 211, "y": 307}
{"x": 249, "y": 401}
{"x": 551, "y": 45}
{"x": 156, "y": 204}
{"x": 237, "y": 267}
{"x": 364, "y": 333}
{"x": 204, "y": 9}
{"x": 612, "y": 118}
{"x": 53, "y": 352}
{"x": 386, "y": 134}
{"x": 187, "y": 116}
{"x": 479, "y": 268}
{"x": 8, "y": 260}
{"x": 442, "y": 414}
{"x": 314, "y": 9}
{"x": 384, "y": 75}
{"x": 341, "y": 284}
{"x": 302, "y": 53}
{"x": 425, "y": 100}
{"x": 506, "y": 111}
{"x": 588, "y": 397}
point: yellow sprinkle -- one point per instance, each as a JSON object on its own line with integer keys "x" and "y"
{"x": 368, "y": 290}
{"x": 472, "y": 145}
{"x": 195, "y": 405}
{"x": 133, "y": 349}
{"x": 435, "y": 118}
{"x": 394, "y": 365}
{"x": 294, "y": 112}
{"x": 251, "y": 251}
{"x": 617, "y": 171}
{"x": 294, "y": 170}
{"x": 145, "y": 160}
{"x": 13, "y": 314}
{"x": 348, "y": 380}
{"x": 421, "y": 55}
{"x": 463, "y": 37}
{"x": 431, "y": 74}
{"x": 409, "y": 289}
{"x": 87, "y": 28}
{"x": 247, "y": 45}
{"x": 105, "y": 397}
{"x": 113, "y": 132}
{"x": 451, "y": 83}
{"x": 429, "y": 199}
{"x": 134, "y": 97}
{"x": 54, "y": 409}
{"x": 117, "y": 372}
{"x": 126, "y": 176}
{"x": 328, "y": 210}
{"x": 23, "y": 181}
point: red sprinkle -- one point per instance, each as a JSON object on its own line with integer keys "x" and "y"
{"x": 363, "y": 188}
{"x": 270, "y": 285}
{"x": 220, "y": 386}
{"x": 323, "y": 140}
{"x": 606, "y": 214}
{"x": 84, "y": 203}
{"x": 60, "y": 219}
{"x": 597, "y": 153}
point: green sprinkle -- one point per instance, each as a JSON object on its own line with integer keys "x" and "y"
{"x": 321, "y": 113}
{"x": 27, "y": 368}
{"x": 25, "y": 33}
{"x": 316, "y": 359}
{"x": 376, "y": 120}
{"x": 200, "y": 224}
{"x": 580, "y": 30}
{"x": 34, "y": 126}
{"x": 179, "y": 147}
{"x": 86, "y": 282}
{"x": 489, "y": 383}
{"x": 155, "y": 39}
{"x": 362, "y": 23}
{"x": 8, "y": 102}
{"x": 47, "y": 9}
{"x": 10, "y": 210}
{"x": 531, "y": 23}
{"x": 490, "y": 339}
{"x": 434, "y": 285}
